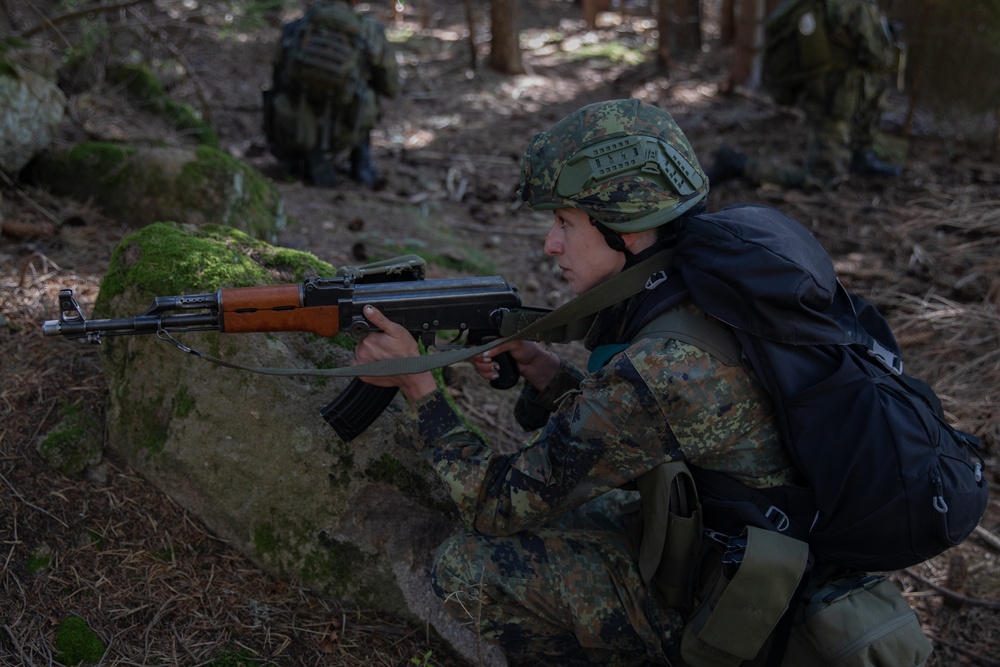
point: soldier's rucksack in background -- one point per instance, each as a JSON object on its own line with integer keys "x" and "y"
{"x": 327, "y": 54}
{"x": 796, "y": 48}
{"x": 320, "y": 91}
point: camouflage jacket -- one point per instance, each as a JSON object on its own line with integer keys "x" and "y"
{"x": 657, "y": 400}
{"x": 860, "y": 29}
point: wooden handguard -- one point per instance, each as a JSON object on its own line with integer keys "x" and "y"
{"x": 274, "y": 308}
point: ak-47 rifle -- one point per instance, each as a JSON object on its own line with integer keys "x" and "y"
{"x": 475, "y": 308}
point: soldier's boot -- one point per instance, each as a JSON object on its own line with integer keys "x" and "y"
{"x": 320, "y": 171}
{"x": 729, "y": 164}
{"x": 363, "y": 169}
{"x": 866, "y": 163}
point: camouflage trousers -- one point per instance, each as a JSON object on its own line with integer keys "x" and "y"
{"x": 569, "y": 593}
{"x": 843, "y": 110}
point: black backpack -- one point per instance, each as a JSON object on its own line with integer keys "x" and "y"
{"x": 889, "y": 482}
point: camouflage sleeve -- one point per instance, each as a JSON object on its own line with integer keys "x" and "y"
{"x": 533, "y": 407}
{"x": 659, "y": 400}
{"x": 383, "y": 64}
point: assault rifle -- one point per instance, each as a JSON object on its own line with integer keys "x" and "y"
{"x": 477, "y": 309}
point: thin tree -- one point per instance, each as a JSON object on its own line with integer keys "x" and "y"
{"x": 505, "y": 36}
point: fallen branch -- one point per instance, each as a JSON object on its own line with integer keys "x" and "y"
{"x": 988, "y": 537}
{"x": 952, "y": 595}
{"x": 50, "y": 22}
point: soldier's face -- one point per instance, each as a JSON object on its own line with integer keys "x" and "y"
{"x": 583, "y": 255}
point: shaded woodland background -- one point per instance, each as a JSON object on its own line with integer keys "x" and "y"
{"x": 480, "y": 79}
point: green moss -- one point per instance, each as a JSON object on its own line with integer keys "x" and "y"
{"x": 176, "y": 260}
{"x": 214, "y": 172}
{"x": 265, "y": 542}
{"x": 331, "y": 567}
{"x": 342, "y": 471}
{"x": 74, "y": 442}
{"x": 76, "y": 643}
{"x": 143, "y": 86}
{"x": 238, "y": 658}
{"x": 105, "y": 159}
{"x": 7, "y": 68}
{"x": 389, "y": 470}
{"x": 39, "y": 559}
{"x": 183, "y": 402}
{"x": 12, "y": 42}
{"x": 96, "y": 538}
{"x": 148, "y": 419}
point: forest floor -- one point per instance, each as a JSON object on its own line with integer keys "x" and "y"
{"x": 161, "y": 589}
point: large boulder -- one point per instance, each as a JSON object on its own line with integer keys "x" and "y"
{"x": 139, "y": 186}
{"x": 249, "y": 453}
{"x": 31, "y": 108}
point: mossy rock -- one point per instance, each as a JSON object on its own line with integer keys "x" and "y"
{"x": 249, "y": 454}
{"x": 138, "y": 186}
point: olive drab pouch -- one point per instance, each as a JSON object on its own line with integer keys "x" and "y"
{"x": 860, "y": 621}
{"x": 796, "y": 48}
{"x": 744, "y": 599}
{"x": 671, "y": 532}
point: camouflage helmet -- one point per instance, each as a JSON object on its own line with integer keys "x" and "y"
{"x": 625, "y": 163}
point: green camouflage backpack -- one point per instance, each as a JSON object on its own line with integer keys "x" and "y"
{"x": 796, "y": 48}
{"x": 326, "y": 59}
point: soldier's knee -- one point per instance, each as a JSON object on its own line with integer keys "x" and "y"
{"x": 456, "y": 566}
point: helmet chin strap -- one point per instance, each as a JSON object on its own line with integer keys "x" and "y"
{"x": 614, "y": 240}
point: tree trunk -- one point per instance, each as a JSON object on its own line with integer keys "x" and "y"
{"x": 505, "y": 45}
{"x": 663, "y": 23}
{"x": 687, "y": 25}
{"x": 471, "y": 18}
{"x": 748, "y": 44}
{"x": 727, "y": 21}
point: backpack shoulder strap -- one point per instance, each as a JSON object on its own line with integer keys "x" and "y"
{"x": 701, "y": 332}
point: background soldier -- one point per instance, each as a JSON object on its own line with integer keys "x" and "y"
{"x": 332, "y": 66}
{"x": 842, "y": 99}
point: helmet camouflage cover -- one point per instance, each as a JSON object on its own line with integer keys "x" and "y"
{"x": 625, "y": 163}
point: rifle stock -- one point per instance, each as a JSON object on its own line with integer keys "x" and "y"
{"x": 473, "y": 307}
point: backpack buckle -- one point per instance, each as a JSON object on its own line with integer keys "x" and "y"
{"x": 779, "y": 518}
{"x": 892, "y": 361}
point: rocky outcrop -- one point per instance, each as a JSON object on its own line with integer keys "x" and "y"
{"x": 138, "y": 186}
{"x": 31, "y": 108}
{"x": 249, "y": 454}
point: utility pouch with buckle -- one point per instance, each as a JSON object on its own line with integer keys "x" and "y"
{"x": 671, "y": 532}
{"x": 745, "y": 598}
